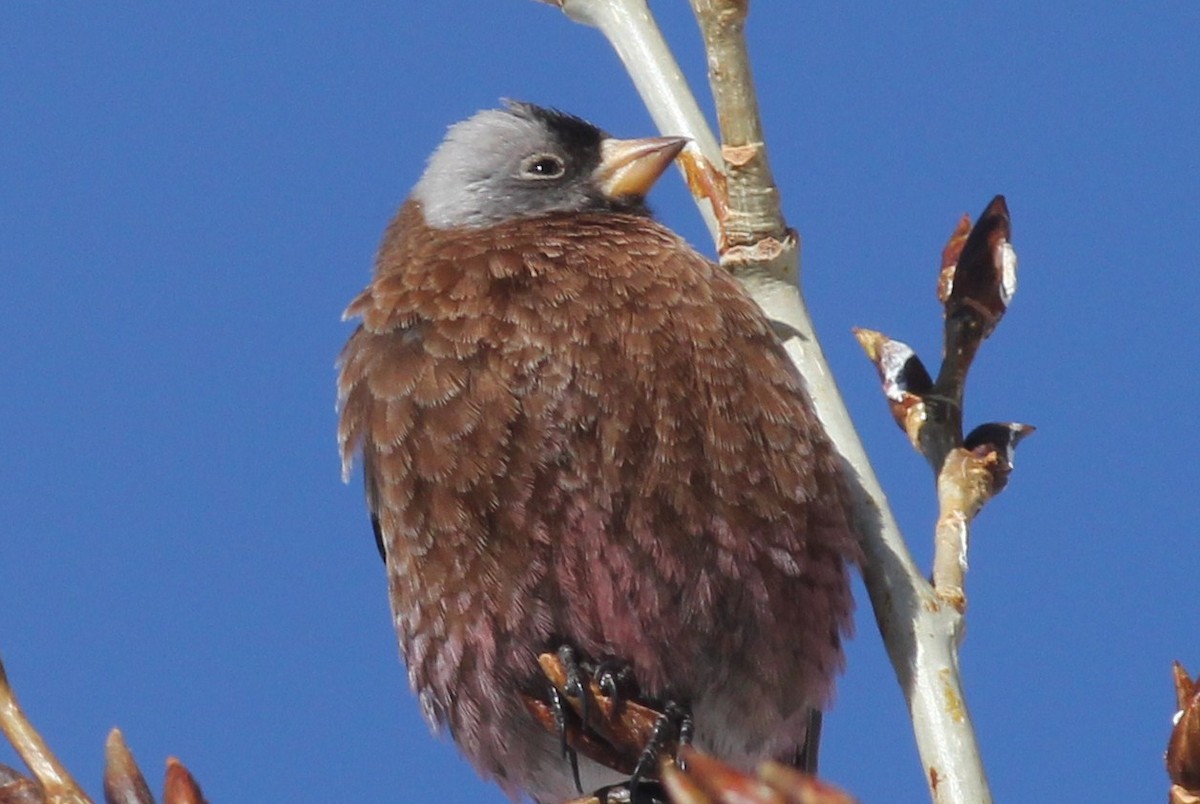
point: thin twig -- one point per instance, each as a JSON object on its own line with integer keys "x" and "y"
{"x": 755, "y": 236}
{"x": 55, "y": 779}
{"x": 976, "y": 284}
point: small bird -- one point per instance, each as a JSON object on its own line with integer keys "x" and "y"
{"x": 577, "y": 431}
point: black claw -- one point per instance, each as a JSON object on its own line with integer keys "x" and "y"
{"x": 675, "y": 720}
{"x": 611, "y": 675}
{"x": 686, "y": 725}
{"x": 574, "y": 687}
{"x": 573, "y": 760}
{"x": 559, "y": 709}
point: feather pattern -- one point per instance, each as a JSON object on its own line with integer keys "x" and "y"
{"x": 577, "y": 429}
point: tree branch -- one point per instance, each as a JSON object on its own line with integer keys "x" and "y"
{"x": 55, "y": 780}
{"x": 754, "y": 236}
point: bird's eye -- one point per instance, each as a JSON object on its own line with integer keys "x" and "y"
{"x": 543, "y": 166}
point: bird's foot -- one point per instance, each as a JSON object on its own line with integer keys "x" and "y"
{"x": 612, "y": 677}
{"x": 609, "y": 676}
{"x": 597, "y": 711}
{"x": 674, "y": 725}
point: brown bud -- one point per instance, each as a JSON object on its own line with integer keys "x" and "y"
{"x": 16, "y": 788}
{"x": 123, "y": 780}
{"x": 801, "y": 788}
{"x": 950, "y": 255}
{"x": 903, "y": 377}
{"x": 995, "y": 443}
{"x": 704, "y": 180}
{"x": 180, "y": 787}
{"x": 707, "y": 780}
{"x": 1183, "y": 750}
{"x": 985, "y": 278}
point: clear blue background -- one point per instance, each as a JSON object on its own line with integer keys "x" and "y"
{"x": 189, "y": 196}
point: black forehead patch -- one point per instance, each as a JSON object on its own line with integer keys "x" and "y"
{"x": 575, "y": 134}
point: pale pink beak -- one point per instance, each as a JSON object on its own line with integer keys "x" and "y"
{"x": 630, "y": 167}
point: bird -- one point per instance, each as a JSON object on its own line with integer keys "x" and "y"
{"x": 576, "y": 430}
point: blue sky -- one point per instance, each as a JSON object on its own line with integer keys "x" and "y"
{"x": 190, "y": 196}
